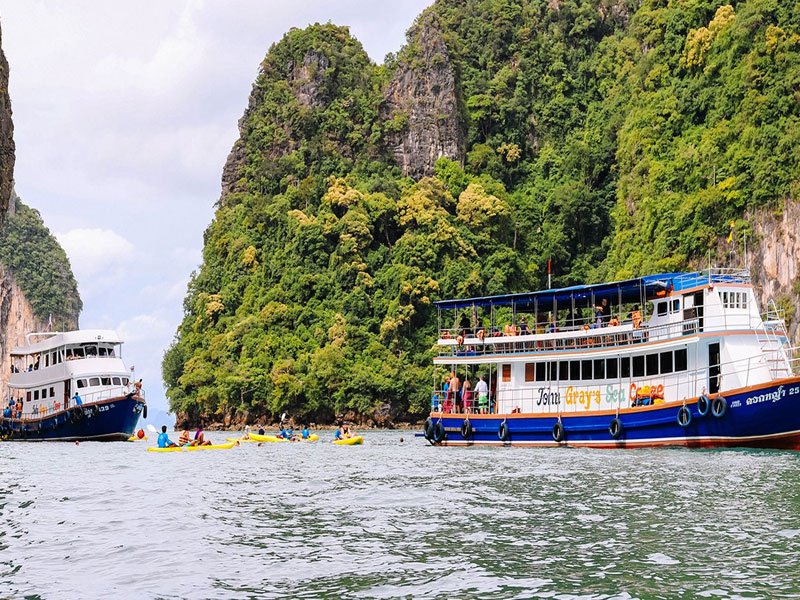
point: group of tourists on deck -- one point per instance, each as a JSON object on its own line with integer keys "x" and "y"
{"x": 459, "y": 396}
{"x": 599, "y": 317}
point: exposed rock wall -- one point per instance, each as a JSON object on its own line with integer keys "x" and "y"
{"x": 16, "y": 320}
{"x": 422, "y": 99}
{"x": 6, "y": 137}
{"x": 774, "y": 259}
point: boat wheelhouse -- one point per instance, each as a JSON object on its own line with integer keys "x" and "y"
{"x": 669, "y": 359}
{"x": 71, "y": 386}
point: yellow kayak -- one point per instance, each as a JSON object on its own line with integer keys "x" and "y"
{"x": 227, "y": 446}
{"x": 133, "y": 438}
{"x": 254, "y": 437}
{"x": 353, "y": 441}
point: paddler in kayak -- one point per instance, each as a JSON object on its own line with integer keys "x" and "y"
{"x": 304, "y": 433}
{"x": 163, "y": 439}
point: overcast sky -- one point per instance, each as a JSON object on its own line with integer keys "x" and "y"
{"x": 124, "y": 114}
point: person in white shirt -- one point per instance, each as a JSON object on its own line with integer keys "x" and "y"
{"x": 482, "y": 392}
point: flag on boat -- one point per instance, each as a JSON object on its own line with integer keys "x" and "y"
{"x": 730, "y": 235}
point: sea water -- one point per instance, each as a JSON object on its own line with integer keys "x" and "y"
{"x": 394, "y": 519}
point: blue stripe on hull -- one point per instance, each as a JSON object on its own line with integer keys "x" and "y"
{"x": 767, "y": 417}
{"x": 113, "y": 420}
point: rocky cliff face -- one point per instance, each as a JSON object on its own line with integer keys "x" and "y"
{"x": 16, "y": 320}
{"x": 6, "y": 138}
{"x": 775, "y": 261}
{"x": 422, "y": 103}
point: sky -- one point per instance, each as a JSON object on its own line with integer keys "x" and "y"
{"x": 124, "y": 114}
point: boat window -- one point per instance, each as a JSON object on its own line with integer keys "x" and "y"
{"x": 666, "y": 363}
{"x": 563, "y": 370}
{"x": 115, "y": 380}
{"x": 94, "y": 381}
{"x": 680, "y": 359}
{"x": 36, "y": 394}
{"x": 506, "y": 373}
{"x": 91, "y": 351}
{"x": 124, "y": 381}
{"x": 81, "y": 383}
{"x": 586, "y": 370}
{"x": 111, "y": 353}
{"x": 46, "y": 360}
{"x": 102, "y": 351}
{"x": 553, "y": 371}
{"x": 541, "y": 372}
{"x": 79, "y": 352}
{"x": 530, "y": 370}
{"x": 638, "y": 366}
{"x": 652, "y": 364}
{"x": 611, "y": 368}
{"x": 662, "y": 308}
{"x": 52, "y": 392}
{"x": 625, "y": 366}
{"x": 575, "y": 370}
{"x": 106, "y": 380}
{"x": 676, "y": 305}
{"x": 599, "y": 368}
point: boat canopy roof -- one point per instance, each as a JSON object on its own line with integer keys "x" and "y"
{"x": 55, "y": 339}
{"x": 626, "y": 292}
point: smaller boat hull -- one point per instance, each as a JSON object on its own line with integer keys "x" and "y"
{"x": 113, "y": 420}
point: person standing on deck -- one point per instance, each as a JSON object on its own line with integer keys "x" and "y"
{"x": 482, "y": 392}
{"x": 466, "y": 395}
{"x": 455, "y": 388}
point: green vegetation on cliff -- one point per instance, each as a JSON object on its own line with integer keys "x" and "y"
{"x": 40, "y": 266}
{"x": 613, "y": 137}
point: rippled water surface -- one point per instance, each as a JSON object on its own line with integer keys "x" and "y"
{"x": 391, "y": 519}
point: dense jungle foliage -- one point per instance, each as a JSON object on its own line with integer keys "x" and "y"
{"x": 613, "y": 137}
{"x": 40, "y": 266}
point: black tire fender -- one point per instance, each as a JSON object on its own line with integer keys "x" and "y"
{"x": 703, "y": 405}
{"x": 615, "y": 428}
{"x": 504, "y": 432}
{"x": 558, "y": 432}
{"x": 719, "y": 406}
{"x": 438, "y": 432}
{"x": 684, "y": 416}
{"x": 466, "y": 429}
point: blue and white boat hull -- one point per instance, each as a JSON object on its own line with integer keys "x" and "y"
{"x": 763, "y": 416}
{"x": 114, "y": 419}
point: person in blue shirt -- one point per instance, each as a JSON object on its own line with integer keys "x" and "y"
{"x": 163, "y": 439}
{"x": 304, "y": 433}
{"x": 338, "y": 434}
{"x": 77, "y": 399}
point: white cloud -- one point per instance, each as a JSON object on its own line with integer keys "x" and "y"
{"x": 92, "y": 251}
{"x": 145, "y": 328}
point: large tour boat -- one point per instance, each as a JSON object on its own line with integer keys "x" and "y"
{"x": 71, "y": 386}
{"x": 680, "y": 359}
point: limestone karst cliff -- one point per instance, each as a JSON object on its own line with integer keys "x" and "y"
{"x": 422, "y": 100}
{"x": 7, "y": 156}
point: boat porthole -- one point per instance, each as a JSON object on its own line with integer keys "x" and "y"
{"x": 703, "y": 404}
{"x": 719, "y": 406}
{"x": 558, "y": 432}
{"x": 684, "y": 416}
{"x": 615, "y": 428}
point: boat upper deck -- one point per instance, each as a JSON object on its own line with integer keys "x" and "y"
{"x": 647, "y": 309}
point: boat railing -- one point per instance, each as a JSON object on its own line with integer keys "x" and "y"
{"x": 90, "y": 399}
{"x": 483, "y": 340}
{"x": 567, "y": 397}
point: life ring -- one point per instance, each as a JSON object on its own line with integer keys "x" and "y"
{"x": 615, "y": 428}
{"x": 144, "y": 412}
{"x": 427, "y": 428}
{"x": 558, "y": 432}
{"x": 703, "y": 404}
{"x": 719, "y": 406}
{"x": 503, "y": 432}
{"x": 466, "y": 429}
{"x": 684, "y": 416}
{"x": 438, "y": 432}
